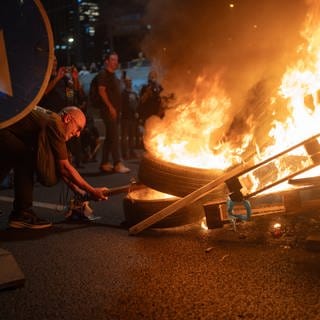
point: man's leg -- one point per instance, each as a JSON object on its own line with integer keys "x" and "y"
{"x": 113, "y": 137}
{"x": 22, "y": 160}
{"x": 106, "y": 144}
{"x": 119, "y": 167}
{"x": 23, "y": 182}
{"x": 105, "y": 165}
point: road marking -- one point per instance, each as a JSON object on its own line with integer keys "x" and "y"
{"x": 5, "y": 80}
{"x": 46, "y": 205}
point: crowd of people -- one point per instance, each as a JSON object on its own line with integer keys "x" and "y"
{"x": 122, "y": 110}
{"x": 71, "y": 133}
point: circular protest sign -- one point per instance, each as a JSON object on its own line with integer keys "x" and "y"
{"x": 26, "y": 51}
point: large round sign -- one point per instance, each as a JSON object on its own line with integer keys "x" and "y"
{"x": 26, "y": 53}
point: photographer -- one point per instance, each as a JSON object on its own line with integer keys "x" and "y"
{"x": 150, "y": 100}
{"x": 63, "y": 89}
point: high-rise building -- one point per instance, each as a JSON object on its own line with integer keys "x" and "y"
{"x": 89, "y": 15}
{"x": 85, "y": 30}
{"x": 73, "y": 24}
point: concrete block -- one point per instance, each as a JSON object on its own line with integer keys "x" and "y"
{"x": 313, "y": 241}
{"x": 11, "y": 275}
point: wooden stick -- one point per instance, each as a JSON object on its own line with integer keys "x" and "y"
{"x": 204, "y": 190}
{"x": 305, "y": 181}
{"x": 193, "y": 196}
{"x": 124, "y": 189}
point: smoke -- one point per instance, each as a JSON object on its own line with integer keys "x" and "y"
{"x": 251, "y": 40}
{"x": 248, "y": 43}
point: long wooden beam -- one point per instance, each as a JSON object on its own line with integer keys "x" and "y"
{"x": 190, "y": 198}
{"x": 236, "y": 172}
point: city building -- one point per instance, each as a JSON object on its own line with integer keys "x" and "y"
{"x": 84, "y": 31}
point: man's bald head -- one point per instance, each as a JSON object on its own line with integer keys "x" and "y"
{"x": 76, "y": 114}
{"x": 74, "y": 119}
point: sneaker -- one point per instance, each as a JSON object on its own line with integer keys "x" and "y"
{"x": 27, "y": 219}
{"x": 121, "y": 168}
{"x": 106, "y": 167}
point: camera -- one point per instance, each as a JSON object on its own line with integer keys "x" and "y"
{"x": 68, "y": 71}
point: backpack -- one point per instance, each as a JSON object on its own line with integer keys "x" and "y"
{"x": 94, "y": 97}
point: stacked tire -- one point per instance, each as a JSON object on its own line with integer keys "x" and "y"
{"x": 172, "y": 179}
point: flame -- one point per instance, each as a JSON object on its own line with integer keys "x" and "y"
{"x": 149, "y": 194}
{"x": 184, "y": 135}
{"x": 203, "y": 224}
{"x": 193, "y": 133}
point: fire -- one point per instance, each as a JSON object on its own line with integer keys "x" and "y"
{"x": 193, "y": 133}
{"x": 149, "y": 194}
{"x": 184, "y": 135}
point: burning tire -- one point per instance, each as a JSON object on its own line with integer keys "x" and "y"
{"x": 138, "y": 206}
{"x": 174, "y": 179}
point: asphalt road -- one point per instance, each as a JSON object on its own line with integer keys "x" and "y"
{"x": 96, "y": 270}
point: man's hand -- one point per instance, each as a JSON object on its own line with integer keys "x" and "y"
{"x": 74, "y": 73}
{"x": 61, "y": 73}
{"x": 99, "y": 194}
{"x": 113, "y": 113}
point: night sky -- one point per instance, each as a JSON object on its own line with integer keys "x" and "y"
{"x": 252, "y": 40}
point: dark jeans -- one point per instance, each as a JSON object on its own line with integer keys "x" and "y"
{"x": 111, "y": 142}
{"x": 18, "y": 156}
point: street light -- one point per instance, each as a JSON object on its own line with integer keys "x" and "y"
{"x": 70, "y": 42}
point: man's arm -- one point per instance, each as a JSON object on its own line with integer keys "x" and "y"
{"x": 74, "y": 180}
{"x": 104, "y": 96}
{"x": 145, "y": 94}
{"x": 52, "y": 83}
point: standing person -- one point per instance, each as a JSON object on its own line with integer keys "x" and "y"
{"x": 18, "y": 152}
{"x": 64, "y": 89}
{"x": 123, "y": 80}
{"x": 129, "y": 120}
{"x": 150, "y": 99}
{"x": 85, "y": 79}
{"x": 110, "y": 104}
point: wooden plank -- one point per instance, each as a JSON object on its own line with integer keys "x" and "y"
{"x": 234, "y": 173}
{"x": 313, "y": 181}
{"x": 190, "y": 198}
{"x": 10, "y": 273}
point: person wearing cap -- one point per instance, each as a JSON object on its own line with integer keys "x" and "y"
{"x": 19, "y": 146}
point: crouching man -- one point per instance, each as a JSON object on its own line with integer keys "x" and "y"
{"x": 18, "y": 144}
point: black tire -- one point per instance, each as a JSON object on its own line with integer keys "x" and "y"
{"x": 174, "y": 179}
{"x": 136, "y": 210}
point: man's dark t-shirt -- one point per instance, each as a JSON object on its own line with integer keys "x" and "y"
{"x": 112, "y": 83}
{"x": 28, "y": 128}
{"x": 150, "y": 100}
